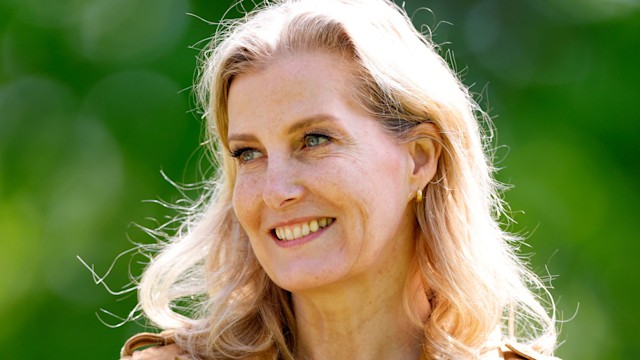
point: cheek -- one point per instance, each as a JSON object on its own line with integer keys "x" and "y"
{"x": 372, "y": 188}
{"x": 245, "y": 199}
{"x": 386, "y": 184}
{"x": 385, "y": 171}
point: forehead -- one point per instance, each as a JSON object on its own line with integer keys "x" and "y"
{"x": 289, "y": 88}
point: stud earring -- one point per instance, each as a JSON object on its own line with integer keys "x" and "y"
{"x": 418, "y": 195}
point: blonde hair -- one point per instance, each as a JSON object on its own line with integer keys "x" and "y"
{"x": 206, "y": 282}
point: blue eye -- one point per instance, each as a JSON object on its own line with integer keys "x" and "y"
{"x": 313, "y": 140}
{"x": 246, "y": 154}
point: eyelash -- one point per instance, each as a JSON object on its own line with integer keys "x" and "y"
{"x": 237, "y": 153}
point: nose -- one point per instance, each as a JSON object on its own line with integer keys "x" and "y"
{"x": 282, "y": 186}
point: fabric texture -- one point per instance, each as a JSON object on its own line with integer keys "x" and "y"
{"x": 162, "y": 346}
{"x": 150, "y": 346}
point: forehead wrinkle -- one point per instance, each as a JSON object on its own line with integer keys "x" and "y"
{"x": 342, "y": 67}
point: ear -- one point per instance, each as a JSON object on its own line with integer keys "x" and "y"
{"x": 424, "y": 148}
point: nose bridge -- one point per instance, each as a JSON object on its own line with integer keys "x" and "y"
{"x": 282, "y": 186}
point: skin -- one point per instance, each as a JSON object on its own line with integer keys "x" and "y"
{"x": 305, "y": 151}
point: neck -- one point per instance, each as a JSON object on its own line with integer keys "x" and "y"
{"x": 361, "y": 322}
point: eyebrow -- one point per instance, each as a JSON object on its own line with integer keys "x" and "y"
{"x": 296, "y": 127}
{"x": 310, "y": 121}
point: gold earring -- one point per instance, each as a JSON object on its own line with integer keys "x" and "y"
{"x": 419, "y": 195}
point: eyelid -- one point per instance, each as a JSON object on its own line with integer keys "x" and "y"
{"x": 237, "y": 147}
{"x": 321, "y": 133}
{"x": 236, "y": 151}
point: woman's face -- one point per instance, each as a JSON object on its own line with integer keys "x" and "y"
{"x": 321, "y": 188}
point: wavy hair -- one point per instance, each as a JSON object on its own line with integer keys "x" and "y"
{"x": 206, "y": 282}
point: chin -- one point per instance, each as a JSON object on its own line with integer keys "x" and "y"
{"x": 306, "y": 277}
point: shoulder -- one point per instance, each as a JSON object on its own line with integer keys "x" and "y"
{"x": 515, "y": 351}
{"x": 147, "y": 346}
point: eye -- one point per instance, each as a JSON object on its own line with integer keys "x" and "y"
{"x": 313, "y": 140}
{"x": 246, "y": 154}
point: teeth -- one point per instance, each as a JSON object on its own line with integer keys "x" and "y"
{"x": 313, "y": 225}
{"x": 299, "y": 230}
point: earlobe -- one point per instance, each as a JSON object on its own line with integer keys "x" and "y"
{"x": 424, "y": 148}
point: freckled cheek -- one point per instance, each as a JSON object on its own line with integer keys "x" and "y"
{"x": 330, "y": 178}
{"x": 246, "y": 194}
{"x": 382, "y": 178}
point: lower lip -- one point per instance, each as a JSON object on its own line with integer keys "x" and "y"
{"x": 302, "y": 240}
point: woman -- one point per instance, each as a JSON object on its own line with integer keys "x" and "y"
{"x": 354, "y": 213}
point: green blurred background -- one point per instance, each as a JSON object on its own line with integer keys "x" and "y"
{"x": 95, "y": 103}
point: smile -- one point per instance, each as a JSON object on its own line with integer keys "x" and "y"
{"x": 293, "y": 232}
